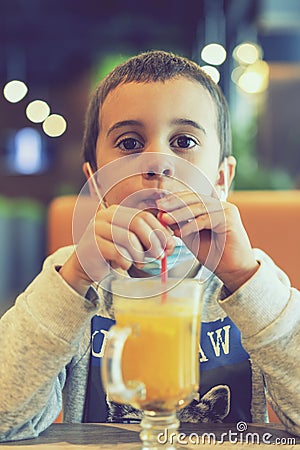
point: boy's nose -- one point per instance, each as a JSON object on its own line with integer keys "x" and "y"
{"x": 151, "y": 174}
{"x": 157, "y": 166}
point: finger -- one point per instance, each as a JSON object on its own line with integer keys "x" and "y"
{"x": 117, "y": 255}
{"x": 137, "y": 235}
{"x": 122, "y": 239}
{"x": 215, "y": 221}
{"x": 191, "y": 210}
{"x": 154, "y": 237}
{"x": 183, "y": 215}
{"x": 187, "y": 198}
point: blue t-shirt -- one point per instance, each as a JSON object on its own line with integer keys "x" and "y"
{"x": 225, "y": 378}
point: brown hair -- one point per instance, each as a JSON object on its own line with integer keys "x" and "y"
{"x": 150, "y": 67}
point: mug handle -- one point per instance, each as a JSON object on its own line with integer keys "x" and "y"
{"x": 112, "y": 377}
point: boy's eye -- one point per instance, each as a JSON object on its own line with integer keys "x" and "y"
{"x": 184, "y": 142}
{"x": 130, "y": 144}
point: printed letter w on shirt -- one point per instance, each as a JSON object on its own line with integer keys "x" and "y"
{"x": 218, "y": 339}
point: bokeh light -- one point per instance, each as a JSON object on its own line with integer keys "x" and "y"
{"x": 27, "y": 158}
{"x": 247, "y": 53}
{"x": 55, "y": 125}
{"x": 237, "y": 73}
{"x": 212, "y": 72}
{"x": 213, "y": 54}
{"x": 37, "y": 111}
{"x": 255, "y": 78}
{"x": 14, "y": 91}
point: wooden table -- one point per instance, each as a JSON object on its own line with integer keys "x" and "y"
{"x": 124, "y": 437}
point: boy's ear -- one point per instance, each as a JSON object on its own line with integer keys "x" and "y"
{"x": 86, "y": 168}
{"x": 226, "y": 174}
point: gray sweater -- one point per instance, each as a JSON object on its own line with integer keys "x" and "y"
{"x": 45, "y": 347}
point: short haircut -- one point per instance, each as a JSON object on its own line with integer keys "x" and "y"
{"x": 150, "y": 67}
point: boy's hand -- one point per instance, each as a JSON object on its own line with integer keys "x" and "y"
{"x": 214, "y": 232}
{"x": 118, "y": 237}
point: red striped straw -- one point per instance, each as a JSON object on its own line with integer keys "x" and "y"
{"x": 163, "y": 266}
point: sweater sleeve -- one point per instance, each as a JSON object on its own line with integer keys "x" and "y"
{"x": 39, "y": 336}
{"x": 267, "y": 311}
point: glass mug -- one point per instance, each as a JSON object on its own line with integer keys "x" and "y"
{"x": 151, "y": 356}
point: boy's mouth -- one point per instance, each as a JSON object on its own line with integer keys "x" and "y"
{"x": 149, "y": 203}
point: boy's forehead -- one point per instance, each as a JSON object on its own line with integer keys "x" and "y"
{"x": 180, "y": 92}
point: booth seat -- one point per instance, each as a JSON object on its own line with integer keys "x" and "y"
{"x": 272, "y": 221}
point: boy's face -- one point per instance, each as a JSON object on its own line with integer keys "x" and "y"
{"x": 175, "y": 118}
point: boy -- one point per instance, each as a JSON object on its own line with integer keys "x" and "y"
{"x": 155, "y": 105}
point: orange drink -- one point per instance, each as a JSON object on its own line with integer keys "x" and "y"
{"x": 160, "y": 353}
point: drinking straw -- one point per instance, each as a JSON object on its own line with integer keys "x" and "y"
{"x": 163, "y": 265}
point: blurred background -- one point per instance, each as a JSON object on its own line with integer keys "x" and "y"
{"x": 54, "y": 52}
